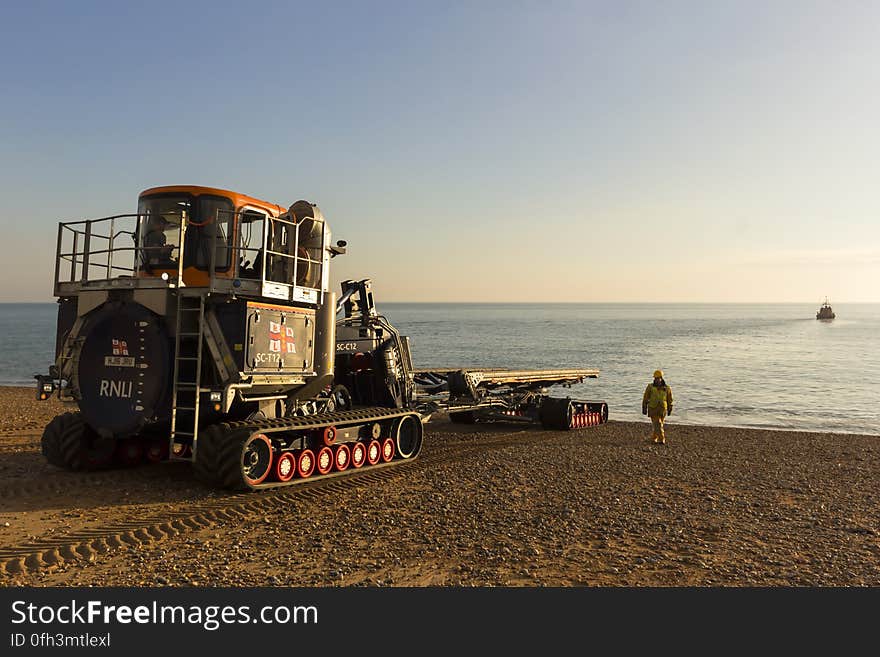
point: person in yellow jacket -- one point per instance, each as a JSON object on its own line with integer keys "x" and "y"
{"x": 657, "y": 403}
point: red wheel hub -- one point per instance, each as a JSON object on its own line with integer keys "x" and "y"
{"x": 342, "y": 457}
{"x": 324, "y": 460}
{"x": 305, "y": 463}
{"x": 256, "y": 459}
{"x": 130, "y": 452}
{"x": 285, "y": 467}
{"x": 180, "y": 450}
{"x": 387, "y": 450}
{"x": 358, "y": 455}
{"x": 374, "y": 452}
{"x": 328, "y": 436}
{"x": 157, "y": 451}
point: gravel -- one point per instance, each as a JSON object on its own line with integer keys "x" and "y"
{"x": 594, "y": 507}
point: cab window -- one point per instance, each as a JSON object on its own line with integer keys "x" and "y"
{"x": 211, "y": 227}
{"x": 159, "y": 230}
{"x": 250, "y": 259}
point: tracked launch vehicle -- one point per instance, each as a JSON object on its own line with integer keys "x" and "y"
{"x": 203, "y": 328}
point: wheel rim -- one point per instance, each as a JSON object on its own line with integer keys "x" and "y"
{"x": 100, "y": 455}
{"x": 157, "y": 451}
{"x": 387, "y": 450}
{"x": 324, "y": 460}
{"x": 130, "y": 452}
{"x": 180, "y": 450}
{"x": 342, "y": 458}
{"x": 305, "y": 463}
{"x": 256, "y": 459}
{"x": 358, "y": 455}
{"x": 374, "y": 452}
{"x": 408, "y": 437}
{"x": 328, "y": 436}
{"x": 285, "y": 467}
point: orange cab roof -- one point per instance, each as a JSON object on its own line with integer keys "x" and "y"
{"x": 237, "y": 199}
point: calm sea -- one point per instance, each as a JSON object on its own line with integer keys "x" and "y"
{"x": 762, "y": 365}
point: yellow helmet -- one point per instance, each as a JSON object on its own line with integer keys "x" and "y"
{"x": 658, "y": 374}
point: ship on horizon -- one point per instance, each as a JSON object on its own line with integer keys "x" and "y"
{"x": 825, "y": 312}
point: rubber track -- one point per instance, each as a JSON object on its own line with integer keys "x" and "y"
{"x": 202, "y": 467}
{"x": 103, "y": 477}
{"x": 218, "y": 461}
{"x": 88, "y": 544}
{"x": 229, "y": 458}
{"x": 318, "y": 421}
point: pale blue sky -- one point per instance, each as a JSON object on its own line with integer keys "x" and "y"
{"x": 515, "y": 151}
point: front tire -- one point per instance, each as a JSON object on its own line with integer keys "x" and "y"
{"x": 69, "y": 443}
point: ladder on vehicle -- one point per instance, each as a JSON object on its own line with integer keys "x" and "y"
{"x": 187, "y": 374}
{"x": 68, "y": 359}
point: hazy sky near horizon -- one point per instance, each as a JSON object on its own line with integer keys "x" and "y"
{"x": 492, "y": 151}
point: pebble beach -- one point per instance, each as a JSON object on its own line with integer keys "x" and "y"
{"x": 598, "y": 506}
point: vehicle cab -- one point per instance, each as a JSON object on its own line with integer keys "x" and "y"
{"x": 195, "y": 236}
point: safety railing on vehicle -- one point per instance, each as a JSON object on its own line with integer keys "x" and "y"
{"x": 287, "y": 262}
{"x": 86, "y": 253}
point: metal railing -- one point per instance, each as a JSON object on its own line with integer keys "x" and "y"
{"x": 77, "y": 253}
{"x": 107, "y": 252}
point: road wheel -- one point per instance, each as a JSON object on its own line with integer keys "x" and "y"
{"x": 244, "y": 459}
{"x": 324, "y": 460}
{"x": 387, "y": 450}
{"x": 374, "y": 452}
{"x": 342, "y": 458}
{"x": 130, "y": 452}
{"x": 358, "y": 455}
{"x": 328, "y": 436}
{"x": 285, "y": 467}
{"x": 407, "y": 434}
{"x": 181, "y": 450}
{"x": 157, "y": 450}
{"x": 305, "y": 463}
{"x": 256, "y": 459}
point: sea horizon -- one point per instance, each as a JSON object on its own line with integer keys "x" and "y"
{"x": 759, "y": 365}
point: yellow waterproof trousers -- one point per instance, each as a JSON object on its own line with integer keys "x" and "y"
{"x": 658, "y": 434}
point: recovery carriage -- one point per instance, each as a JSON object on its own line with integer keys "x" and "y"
{"x": 373, "y": 362}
